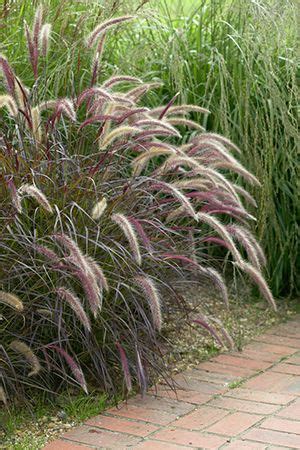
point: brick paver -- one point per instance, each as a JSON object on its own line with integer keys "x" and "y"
{"x": 239, "y": 400}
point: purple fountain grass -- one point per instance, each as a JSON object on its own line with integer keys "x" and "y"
{"x": 3, "y": 397}
{"x": 8, "y": 75}
{"x": 78, "y": 257}
{"x": 245, "y": 194}
{"x": 74, "y": 367}
{"x": 157, "y": 123}
{"x": 121, "y": 131}
{"x": 259, "y": 280}
{"x": 216, "y": 225}
{"x": 152, "y": 296}
{"x": 166, "y": 187}
{"x": 178, "y": 109}
{"x": 93, "y": 92}
{"x": 157, "y": 223}
{"x": 27, "y": 353}
{"x": 224, "y": 332}
{"x": 140, "y": 162}
{"x": 9, "y": 102}
{"x": 185, "y": 122}
{"x": 125, "y": 366}
{"x": 120, "y": 79}
{"x": 74, "y": 302}
{"x": 104, "y": 27}
{"x": 44, "y": 38}
{"x": 214, "y": 137}
{"x": 136, "y": 93}
{"x": 130, "y": 234}
{"x": 98, "y": 273}
{"x": 91, "y": 289}
{"x": 91, "y": 277}
{"x": 34, "y": 192}
{"x": 238, "y": 168}
{"x": 142, "y": 379}
{"x": 141, "y": 232}
{"x": 31, "y": 51}
{"x": 99, "y": 208}
{"x": 241, "y": 236}
{"x": 11, "y": 300}
{"x": 203, "y": 322}
{"x": 48, "y": 253}
{"x": 15, "y": 197}
{"x": 207, "y": 271}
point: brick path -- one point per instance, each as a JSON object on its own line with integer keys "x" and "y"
{"x": 248, "y": 400}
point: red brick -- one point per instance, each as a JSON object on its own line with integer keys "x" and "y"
{"x": 280, "y": 350}
{"x": 295, "y": 359}
{"x": 257, "y": 355}
{"x": 192, "y": 384}
{"x": 122, "y": 425}
{"x": 278, "y": 340}
{"x": 100, "y": 438}
{"x": 290, "y": 329}
{"x": 148, "y": 415}
{"x": 273, "y": 437}
{"x": 238, "y": 445}
{"x": 200, "y": 418}
{"x": 58, "y": 444}
{"x": 184, "y": 395}
{"x": 287, "y": 426}
{"x": 234, "y": 424}
{"x": 260, "y": 396}
{"x": 244, "y": 405}
{"x": 161, "y": 404}
{"x": 242, "y": 362}
{"x": 226, "y": 369}
{"x": 189, "y": 438}
{"x": 275, "y": 382}
{"x": 211, "y": 377}
{"x": 292, "y": 411}
{"x": 290, "y": 369}
{"x": 156, "y": 445}
{"x": 274, "y": 447}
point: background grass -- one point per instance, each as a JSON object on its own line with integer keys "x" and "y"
{"x": 237, "y": 58}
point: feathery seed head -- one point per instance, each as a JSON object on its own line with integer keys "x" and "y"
{"x": 216, "y": 224}
{"x": 153, "y": 298}
{"x": 74, "y": 367}
{"x": 117, "y": 133}
{"x": 9, "y": 102}
{"x": 31, "y": 358}
{"x": 74, "y": 302}
{"x": 44, "y": 38}
{"x": 260, "y": 282}
{"x": 129, "y": 232}
{"x": 125, "y": 366}
{"x": 11, "y": 300}
{"x": 104, "y": 27}
{"x": 3, "y": 398}
{"x": 99, "y": 208}
{"x": 34, "y": 192}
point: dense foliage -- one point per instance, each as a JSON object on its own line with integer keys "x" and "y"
{"x": 102, "y": 202}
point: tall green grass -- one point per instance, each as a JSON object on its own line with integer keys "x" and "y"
{"x": 239, "y": 59}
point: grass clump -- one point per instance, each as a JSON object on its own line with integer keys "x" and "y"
{"x": 103, "y": 201}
